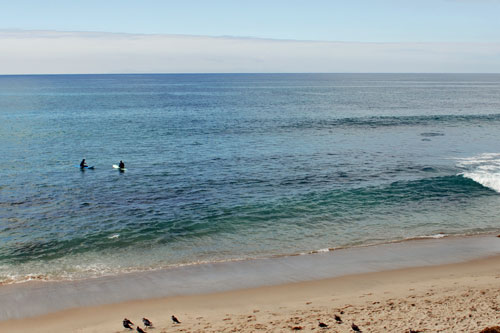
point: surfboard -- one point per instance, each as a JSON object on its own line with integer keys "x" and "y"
{"x": 117, "y": 167}
{"x": 87, "y": 167}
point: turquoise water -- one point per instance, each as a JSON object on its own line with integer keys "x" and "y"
{"x": 225, "y": 167}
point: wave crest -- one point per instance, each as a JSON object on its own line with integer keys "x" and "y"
{"x": 483, "y": 169}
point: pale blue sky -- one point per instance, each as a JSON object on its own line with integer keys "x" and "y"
{"x": 353, "y": 20}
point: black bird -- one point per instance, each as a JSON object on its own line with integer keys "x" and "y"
{"x": 147, "y": 322}
{"x": 127, "y": 323}
{"x": 175, "y": 320}
{"x": 338, "y": 319}
{"x": 322, "y": 324}
{"x": 355, "y": 327}
{"x": 140, "y": 330}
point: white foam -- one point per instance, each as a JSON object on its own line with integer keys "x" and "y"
{"x": 114, "y": 236}
{"x": 318, "y": 251}
{"x": 490, "y": 180}
{"x": 483, "y": 169}
{"x": 486, "y": 158}
{"x": 486, "y": 168}
{"x": 436, "y": 236}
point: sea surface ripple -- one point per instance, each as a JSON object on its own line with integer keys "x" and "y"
{"x": 236, "y": 166}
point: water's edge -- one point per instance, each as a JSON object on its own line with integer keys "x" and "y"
{"x": 38, "y": 298}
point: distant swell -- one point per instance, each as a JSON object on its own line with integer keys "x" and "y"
{"x": 251, "y": 125}
{"x": 398, "y": 121}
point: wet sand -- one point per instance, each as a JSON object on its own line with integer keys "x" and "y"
{"x": 435, "y": 297}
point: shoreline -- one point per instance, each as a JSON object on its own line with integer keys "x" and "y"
{"x": 439, "y": 298}
{"x": 33, "y": 278}
{"x": 37, "y": 298}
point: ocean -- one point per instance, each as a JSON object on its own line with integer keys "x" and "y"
{"x": 224, "y": 167}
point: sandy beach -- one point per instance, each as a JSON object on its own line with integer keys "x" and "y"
{"x": 459, "y": 297}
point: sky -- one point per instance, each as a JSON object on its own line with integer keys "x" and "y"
{"x": 249, "y": 36}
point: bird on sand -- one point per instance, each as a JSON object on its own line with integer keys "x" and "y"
{"x": 175, "y": 320}
{"x": 338, "y": 319}
{"x": 355, "y": 327}
{"x": 323, "y": 325}
{"x": 140, "y": 330}
{"x": 147, "y": 322}
{"x": 127, "y": 323}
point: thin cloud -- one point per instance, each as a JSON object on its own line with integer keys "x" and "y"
{"x": 41, "y": 52}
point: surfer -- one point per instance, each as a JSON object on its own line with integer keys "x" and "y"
{"x": 121, "y": 165}
{"x": 83, "y": 164}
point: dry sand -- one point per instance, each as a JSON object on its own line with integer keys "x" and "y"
{"x": 460, "y": 297}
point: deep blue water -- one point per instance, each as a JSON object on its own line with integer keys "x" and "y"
{"x": 224, "y": 167}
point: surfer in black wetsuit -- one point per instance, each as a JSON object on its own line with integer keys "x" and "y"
{"x": 83, "y": 164}
{"x": 121, "y": 165}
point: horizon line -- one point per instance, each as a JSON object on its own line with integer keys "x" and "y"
{"x": 256, "y": 73}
